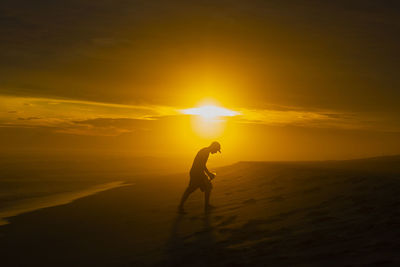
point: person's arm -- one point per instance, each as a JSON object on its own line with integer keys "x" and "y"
{"x": 205, "y": 158}
{"x": 210, "y": 174}
{"x": 207, "y": 171}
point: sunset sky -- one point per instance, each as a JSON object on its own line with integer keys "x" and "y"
{"x": 305, "y": 80}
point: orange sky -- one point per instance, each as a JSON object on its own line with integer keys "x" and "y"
{"x": 311, "y": 80}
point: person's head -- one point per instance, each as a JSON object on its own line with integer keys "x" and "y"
{"x": 215, "y": 147}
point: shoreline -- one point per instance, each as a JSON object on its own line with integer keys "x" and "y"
{"x": 34, "y": 204}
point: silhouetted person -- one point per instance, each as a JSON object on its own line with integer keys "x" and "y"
{"x": 198, "y": 177}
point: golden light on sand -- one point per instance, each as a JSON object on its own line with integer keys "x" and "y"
{"x": 209, "y": 120}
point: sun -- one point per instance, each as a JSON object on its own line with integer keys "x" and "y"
{"x": 208, "y": 121}
{"x": 210, "y": 112}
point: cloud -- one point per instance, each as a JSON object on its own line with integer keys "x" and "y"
{"x": 297, "y": 117}
{"x": 105, "y": 119}
{"x": 78, "y": 117}
{"x": 104, "y": 126}
{"x": 381, "y": 122}
{"x": 29, "y": 118}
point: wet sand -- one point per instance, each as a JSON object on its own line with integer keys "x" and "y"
{"x": 32, "y": 204}
{"x": 268, "y": 214}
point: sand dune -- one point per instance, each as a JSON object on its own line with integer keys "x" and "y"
{"x": 339, "y": 213}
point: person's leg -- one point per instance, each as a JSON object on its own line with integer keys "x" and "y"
{"x": 185, "y": 195}
{"x": 207, "y": 193}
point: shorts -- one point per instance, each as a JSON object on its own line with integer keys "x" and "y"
{"x": 199, "y": 180}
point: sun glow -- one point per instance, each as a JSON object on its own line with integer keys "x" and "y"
{"x": 209, "y": 121}
{"x": 210, "y": 112}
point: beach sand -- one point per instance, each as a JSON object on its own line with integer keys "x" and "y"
{"x": 36, "y": 203}
{"x": 268, "y": 214}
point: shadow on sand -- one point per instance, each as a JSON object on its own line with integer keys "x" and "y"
{"x": 192, "y": 248}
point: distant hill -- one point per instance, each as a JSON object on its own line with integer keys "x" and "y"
{"x": 385, "y": 164}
